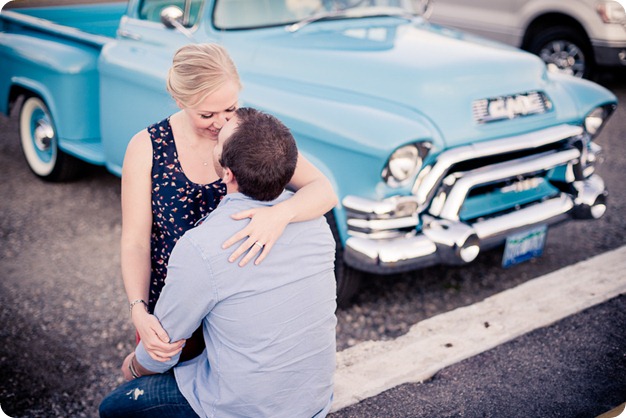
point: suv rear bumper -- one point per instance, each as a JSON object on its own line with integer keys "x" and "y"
{"x": 610, "y": 55}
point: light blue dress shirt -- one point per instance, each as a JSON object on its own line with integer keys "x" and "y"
{"x": 269, "y": 328}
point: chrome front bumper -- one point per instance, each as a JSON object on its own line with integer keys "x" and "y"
{"x": 384, "y": 236}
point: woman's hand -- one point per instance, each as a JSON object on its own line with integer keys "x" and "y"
{"x": 266, "y": 226}
{"x": 314, "y": 197}
{"x": 154, "y": 337}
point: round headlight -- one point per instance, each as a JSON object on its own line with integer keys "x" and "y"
{"x": 404, "y": 163}
{"x": 596, "y": 119}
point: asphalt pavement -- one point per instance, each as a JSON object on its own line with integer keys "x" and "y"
{"x": 575, "y": 367}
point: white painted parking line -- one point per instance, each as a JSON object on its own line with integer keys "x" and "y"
{"x": 372, "y": 367}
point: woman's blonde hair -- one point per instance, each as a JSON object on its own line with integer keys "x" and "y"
{"x": 199, "y": 70}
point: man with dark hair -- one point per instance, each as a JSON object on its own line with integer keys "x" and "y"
{"x": 260, "y": 152}
{"x": 270, "y": 328}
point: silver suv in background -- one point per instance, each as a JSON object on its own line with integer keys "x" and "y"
{"x": 572, "y": 36}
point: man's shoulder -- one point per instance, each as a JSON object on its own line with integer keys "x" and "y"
{"x": 316, "y": 231}
{"x": 217, "y": 227}
{"x": 217, "y": 223}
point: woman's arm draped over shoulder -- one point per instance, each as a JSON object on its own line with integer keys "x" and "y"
{"x": 314, "y": 197}
{"x": 135, "y": 243}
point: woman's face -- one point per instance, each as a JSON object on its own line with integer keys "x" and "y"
{"x": 223, "y": 137}
{"x": 208, "y": 117}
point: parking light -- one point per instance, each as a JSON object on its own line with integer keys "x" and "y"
{"x": 612, "y": 11}
{"x": 595, "y": 120}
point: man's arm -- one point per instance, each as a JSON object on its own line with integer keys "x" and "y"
{"x": 186, "y": 298}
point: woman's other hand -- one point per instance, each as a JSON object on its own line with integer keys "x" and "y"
{"x": 266, "y": 226}
{"x": 154, "y": 338}
{"x": 314, "y": 197}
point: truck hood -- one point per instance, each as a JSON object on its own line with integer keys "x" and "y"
{"x": 425, "y": 69}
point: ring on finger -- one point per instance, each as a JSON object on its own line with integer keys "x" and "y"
{"x": 259, "y": 244}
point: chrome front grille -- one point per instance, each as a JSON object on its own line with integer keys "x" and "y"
{"x": 426, "y": 186}
{"x": 457, "y": 186}
{"x": 442, "y": 187}
{"x": 473, "y": 197}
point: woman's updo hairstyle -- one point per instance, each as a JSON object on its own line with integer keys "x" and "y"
{"x": 199, "y": 70}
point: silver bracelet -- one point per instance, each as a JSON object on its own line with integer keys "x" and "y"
{"x": 135, "y": 302}
{"x": 133, "y": 372}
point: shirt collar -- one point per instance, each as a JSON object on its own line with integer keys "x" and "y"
{"x": 234, "y": 197}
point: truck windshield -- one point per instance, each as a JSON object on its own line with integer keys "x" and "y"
{"x": 245, "y": 14}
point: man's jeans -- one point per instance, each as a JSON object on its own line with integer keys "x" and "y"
{"x": 148, "y": 396}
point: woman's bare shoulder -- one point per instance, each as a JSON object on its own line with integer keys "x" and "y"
{"x": 139, "y": 150}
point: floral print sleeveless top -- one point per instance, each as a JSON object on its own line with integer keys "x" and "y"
{"x": 177, "y": 203}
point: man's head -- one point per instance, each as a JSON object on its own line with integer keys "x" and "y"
{"x": 257, "y": 152}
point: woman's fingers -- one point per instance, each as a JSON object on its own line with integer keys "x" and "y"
{"x": 256, "y": 248}
{"x": 248, "y": 247}
{"x": 241, "y": 234}
{"x": 249, "y": 213}
{"x": 157, "y": 344}
{"x": 235, "y": 238}
{"x": 164, "y": 353}
{"x": 266, "y": 250}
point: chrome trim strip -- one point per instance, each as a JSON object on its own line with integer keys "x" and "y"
{"x": 380, "y": 235}
{"x": 547, "y": 212}
{"x": 466, "y": 181}
{"x": 427, "y": 186}
{"x": 393, "y": 251}
{"x": 374, "y": 225}
{"x": 378, "y": 208}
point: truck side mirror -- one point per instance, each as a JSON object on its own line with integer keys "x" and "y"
{"x": 172, "y": 17}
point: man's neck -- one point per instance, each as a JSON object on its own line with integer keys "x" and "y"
{"x": 231, "y": 188}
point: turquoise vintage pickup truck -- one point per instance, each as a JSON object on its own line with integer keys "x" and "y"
{"x": 439, "y": 144}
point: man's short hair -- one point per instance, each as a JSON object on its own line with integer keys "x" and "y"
{"x": 262, "y": 154}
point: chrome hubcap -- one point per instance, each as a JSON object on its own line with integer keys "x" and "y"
{"x": 564, "y": 56}
{"x": 43, "y": 135}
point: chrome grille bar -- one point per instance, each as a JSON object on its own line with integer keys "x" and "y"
{"x": 425, "y": 189}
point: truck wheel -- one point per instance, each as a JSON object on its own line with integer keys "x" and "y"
{"x": 564, "y": 49}
{"x": 348, "y": 279}
{"x": 40, "y": 143}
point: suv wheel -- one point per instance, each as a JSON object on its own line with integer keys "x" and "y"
{"x": 563, "y": 49}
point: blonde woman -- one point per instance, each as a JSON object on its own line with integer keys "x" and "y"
{"x": 169, "y": 183}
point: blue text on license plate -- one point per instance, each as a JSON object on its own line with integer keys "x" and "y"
{"x": 524, "y": 245}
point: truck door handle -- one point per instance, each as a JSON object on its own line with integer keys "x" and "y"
{"x": 129, "y": 35}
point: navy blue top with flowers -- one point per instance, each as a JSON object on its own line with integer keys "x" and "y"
{"x": 177, "y": 203}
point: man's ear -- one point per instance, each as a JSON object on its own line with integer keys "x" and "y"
{"x": 228, "y": 177}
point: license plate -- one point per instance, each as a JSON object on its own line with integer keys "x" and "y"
{"x": 524, "y": 246}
